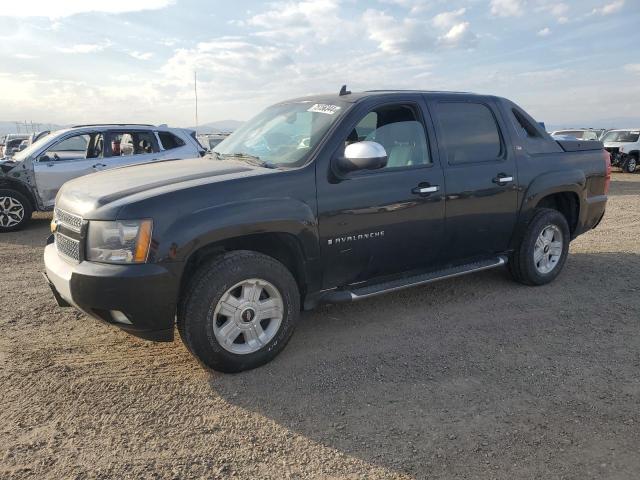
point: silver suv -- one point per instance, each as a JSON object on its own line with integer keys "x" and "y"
{"x": 31, "y": 179}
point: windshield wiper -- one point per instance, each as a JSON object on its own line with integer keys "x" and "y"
{"x": 248, "y": 158}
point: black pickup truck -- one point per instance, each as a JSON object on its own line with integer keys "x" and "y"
{"x": 327, "y": 198}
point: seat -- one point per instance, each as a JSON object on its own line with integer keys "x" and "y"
{"x": 405, "y": 143}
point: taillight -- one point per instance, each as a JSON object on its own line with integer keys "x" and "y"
{"x": 607, "y": 178}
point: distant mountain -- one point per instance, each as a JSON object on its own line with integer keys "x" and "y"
{"x": 219, "y": 126}
{"x": 20, "y": 127}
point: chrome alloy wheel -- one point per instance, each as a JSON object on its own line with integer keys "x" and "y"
{"x": 11, "y": 212}
{"x": 548, "y": 249}
{"x": 248, "y": 316}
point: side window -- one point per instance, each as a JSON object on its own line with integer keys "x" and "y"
{"x": 523, "y": 126}
{"x": 399, "y": 130}
{"x": 76, "y": 147}
{"x": 169, "y": 140}
{"x": 589, "y": 135}
{"x": 122, "y": 144}
{"x": 469, "y": 133}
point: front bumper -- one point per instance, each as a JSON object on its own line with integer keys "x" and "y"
{"x": 140, "y": 299}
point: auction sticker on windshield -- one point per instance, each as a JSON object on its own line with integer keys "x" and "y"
{"x": 324, "y": 108}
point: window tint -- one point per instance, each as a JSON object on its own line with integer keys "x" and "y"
{"x": 398, "y": 129}
{"x": 469, "y": 132}
{"x": 77, "y": 147}
{"x": 169, "y": 140}
{"x": 523, "y": 126}
{"x": 77, "y": 143}
{"x": 131, "y": 143}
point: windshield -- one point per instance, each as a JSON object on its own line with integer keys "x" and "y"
{"x": 34, "y": 147}
{"x": 623, "y": 136}
{"x": 570, "y": 133}
{"x": 283, "y": 135}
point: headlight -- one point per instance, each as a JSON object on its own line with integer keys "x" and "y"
{"x": 124, "y": 241}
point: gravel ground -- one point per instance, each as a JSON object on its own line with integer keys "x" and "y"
{"x": 475, "y": 377}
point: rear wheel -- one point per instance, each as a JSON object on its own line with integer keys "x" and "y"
{"x": 239, "y": 311}
{"x": 631, "y": 164}
{"x": 15, "y": 210}
{"x": 543, "y": 250}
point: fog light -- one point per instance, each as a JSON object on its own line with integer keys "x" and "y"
{"x": 119, "y": 317}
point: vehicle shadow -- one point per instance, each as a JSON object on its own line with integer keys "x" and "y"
{"x": 34, "y": 234}
{"x": 475, "y": 377}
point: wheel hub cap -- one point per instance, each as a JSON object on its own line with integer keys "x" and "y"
{"x": 548, "y": 249}
{"x": 248, "y": 316}
{"x": 12, "y": 212}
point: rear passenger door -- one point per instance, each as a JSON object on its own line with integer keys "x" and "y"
{"x": 130, "y": 147}
{"x": 480, "y": 176}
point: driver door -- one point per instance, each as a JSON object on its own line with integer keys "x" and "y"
{"x": 71, "y": 157}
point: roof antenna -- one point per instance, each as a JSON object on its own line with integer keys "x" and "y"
{"x": 344, "y": 91}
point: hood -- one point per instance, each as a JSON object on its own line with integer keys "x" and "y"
{"x": 615, "y": 144}
{"x": 117, "y": 186}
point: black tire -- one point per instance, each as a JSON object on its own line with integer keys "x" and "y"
{"x": 522, "y": 265}
{"x": 631, "y": 164}
{"x": 204, "y": 291}
{"x": 7, "y": 197}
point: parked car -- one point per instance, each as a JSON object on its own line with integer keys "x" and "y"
{"x": 11, "y": 143}
{"x": 31, "y": 179}
{"x": 330, "y": 198}
{"x": 211, "y": 140}
{"x": 579, "y": 134}
{"x": 624, "y": 146}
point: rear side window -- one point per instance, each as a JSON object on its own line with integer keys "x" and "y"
{"x": 169, "y": 140}
{"x": 137, "y": 142}
{"x": 469, "y": 133}
{"x": 524, "y": 126}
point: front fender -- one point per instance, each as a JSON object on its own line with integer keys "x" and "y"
{"x": 237, "y": 219}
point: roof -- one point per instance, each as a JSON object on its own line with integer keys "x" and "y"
{"x": 354, "y": 97}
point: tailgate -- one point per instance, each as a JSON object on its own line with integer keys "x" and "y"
{"x": 580, "y": 145}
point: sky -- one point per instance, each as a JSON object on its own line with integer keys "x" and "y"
{"x": 77, "y": 61}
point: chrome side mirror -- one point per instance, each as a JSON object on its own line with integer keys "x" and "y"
{"x": 364, "y": 155}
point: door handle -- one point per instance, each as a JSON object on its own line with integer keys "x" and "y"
{"x": 502, "y": 179}
{"x": 425, "y": 189}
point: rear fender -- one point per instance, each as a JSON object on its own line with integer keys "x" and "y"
{"x": 547, "y": 184}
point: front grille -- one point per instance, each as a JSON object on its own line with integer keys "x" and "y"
{"x": 69, "y": 220}
{"x": 68, "y": 246}
{"x": 612, "y": 149}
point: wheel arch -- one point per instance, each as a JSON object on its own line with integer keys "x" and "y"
{"x": 9, "y": 184}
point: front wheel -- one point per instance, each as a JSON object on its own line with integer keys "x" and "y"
{"x": 239, "y": 311}
{"x": 15, "y": 210}
{"x": 543, "y": 250}
{"x": 631, "y": 164}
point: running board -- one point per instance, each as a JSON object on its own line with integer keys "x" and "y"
{"x": 413, "y": 281}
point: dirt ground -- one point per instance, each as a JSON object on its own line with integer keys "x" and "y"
{"x": 475, "y": 377}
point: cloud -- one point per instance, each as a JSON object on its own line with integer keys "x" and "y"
{"x": 632, "y": 67}
{"x": 447, "y": 19}
{"x": 67, "y": 8}
{"x": 81, "y": 48}
{"x": 24, "y": 56}
{"x": 507, "y": 8}
{"x": 458, "y": 35}
{"x": 609, "y": 8}
{"x": 228, "y": 62}
{"x": 544, "y": 32}
{"x": 396, "y": 36}
{"x": 141, "y": 55}
{"x": 318, "y": 19}
{"x": 558, "y": 10}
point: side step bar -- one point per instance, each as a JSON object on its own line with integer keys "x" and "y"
{"x": 337, "y": 296}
